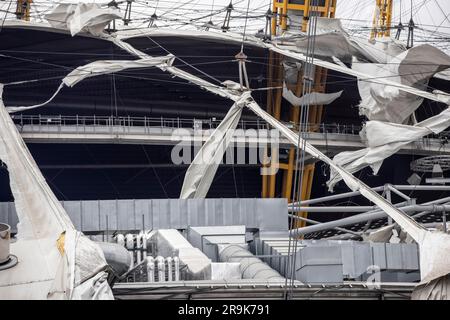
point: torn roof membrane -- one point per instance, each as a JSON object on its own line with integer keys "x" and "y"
{"x": 405, "y": 222}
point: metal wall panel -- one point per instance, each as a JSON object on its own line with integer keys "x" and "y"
{"x": 102, "y": 215}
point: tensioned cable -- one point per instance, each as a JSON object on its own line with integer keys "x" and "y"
{"x": 187, "y": 63}
{"x": 300, "y": 154}
{"x": 245, "y": 26}
{"x": 349, "y": 79}
{"x": 304, "y": 117}
{"x": 6, "y": 14}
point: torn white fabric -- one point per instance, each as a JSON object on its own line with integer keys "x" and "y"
{"x": 216, "y": 89}
{"x": 383, "y": 140}
{"x": 434, "y": 255}
{"x": 40, "y": 214}
{"x": 82, "y": 17}
{"x": 102, "y": 67}
{"x": 291, "y": 71}
{"x": 332, "y": 40}
{"x": 201, "y": 172}
{"x": 314, "y": 98}
{"x": 60, "y": 14}
{"x": 443, "y": 75}
{"x": 24, "y": 108}
{"x": 98, "y": 68}
{"x": 361, "y": 75}
{"x": 379, "y": 50}
{"x": 413, "y": 68}
{"x": 444, "y": 96}
{"x": 95, "y": 288}
{"x": 47, "y": 242}
{"x": 273, "y": 47}
{"x": 330, "y": 44}
{"x": 434, "y": 246}
{"x": 415, "y": 230}
{"x": 437, "y": 289}
{"x": 381, "y": 102}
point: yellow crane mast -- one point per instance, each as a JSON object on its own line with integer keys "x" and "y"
{"x": 381, "y": 24}
{"x": 285, "y": 11}
{"x": 23, "y": 9}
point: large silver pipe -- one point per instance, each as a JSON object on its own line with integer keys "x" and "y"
{"x": 357, "y": 193}
{"x": 421, "y": 188}
{"x": 251, "y": 266}
{"x": 333, "y": 209}
{"x": 318, "y": 222}
{"x": 370, "y": 209}
{"x": 397, "y": 192}
{"x": 116, "y": 256}
{"x": 365, "y": 217}
{"x": 334, "y": 197}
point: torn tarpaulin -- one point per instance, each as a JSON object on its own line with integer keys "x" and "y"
{"x": 331, "y": 40}
{"x": 82, "y": 17}
{"x": 98, "y": 68}
{"x": 314, "y": 98}
{"x": 201, "y": 172}
{"x": 383, "y": 140}
{"x": 101, "y": 67}
{"x": 413, "y": 68}
{"x": 48, "y": 247}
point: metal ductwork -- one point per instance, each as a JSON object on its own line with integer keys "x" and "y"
{"x": 5, "y": 235}
{"x": 251, "y": 266}
{"x": 117, "y": 257}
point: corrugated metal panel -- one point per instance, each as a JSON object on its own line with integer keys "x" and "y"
{"x": 92, "y": 216}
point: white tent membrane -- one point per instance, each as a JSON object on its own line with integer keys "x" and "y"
{"x": 278, "y": 48}
{"x": 362, "y": 76}
{"x": 314, "y": 98}
{"x": 414, "y": 68}
{"x": 433, "y": 245}
{"x": 383, "y": 140}
{"x": 201, "y": 172}
{"x": 381, "y": 100}
{"x": 331, "y": 40}
{"x": 82, "y": 17}
{"x": 52, "y": 254}
{"x": 111, "y": 66}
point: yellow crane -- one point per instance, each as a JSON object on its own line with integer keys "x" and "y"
{"x": 381, "y": 24}
{"x": 23, "y": 9}
{"x": 282, "y": 13}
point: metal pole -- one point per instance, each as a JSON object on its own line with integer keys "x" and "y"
{"x": 107, "y": 229}
{"x": 333, "y": 209}
{"x": 363, "y": 218}
{"x": 387, "y": 191}
{"x": 397, "y": 192}
{"x": 444, "y": 221}
{"x": 422, "y": 188}
{"x": 336, "y": 196}
{"x": 377, "y": 189}
{"x": 317, "y": 222}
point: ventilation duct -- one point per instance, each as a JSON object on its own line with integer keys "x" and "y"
{"x": 5, "y": 234}
{"x": 251, "y": 266}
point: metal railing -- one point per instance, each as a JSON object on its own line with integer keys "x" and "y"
{"x": 163, "y": 122}
{"x": 200, "y": 124}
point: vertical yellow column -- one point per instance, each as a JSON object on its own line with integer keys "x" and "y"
{"x": 274, "y": 99}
